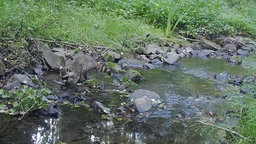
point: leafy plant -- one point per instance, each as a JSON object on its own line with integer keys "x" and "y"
{"x": 23, "y": 100}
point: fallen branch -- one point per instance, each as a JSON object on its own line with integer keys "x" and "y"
{"x": 225, "y": 129}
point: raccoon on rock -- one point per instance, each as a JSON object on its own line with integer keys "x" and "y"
{"x": 77, "y": 70}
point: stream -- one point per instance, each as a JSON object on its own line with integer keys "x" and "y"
{"x": 190, "y": 92}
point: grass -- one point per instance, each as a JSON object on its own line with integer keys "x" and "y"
{"x": 117, "y": 23}
{"x": 65, "y": 21}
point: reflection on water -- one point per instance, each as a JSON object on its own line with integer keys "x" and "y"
{"x": 188, "y": 91}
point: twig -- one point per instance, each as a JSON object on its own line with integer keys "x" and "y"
{"x": 225, "y": 129}
{"x": 26, "y": 112}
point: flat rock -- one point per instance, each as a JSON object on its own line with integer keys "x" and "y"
{"x": 131, "y": 63}
{"x": 206, "y": 44}
{"x": 17, "y": 80}
{"x": 230, "y": 47}
{"x": 54, "y": 61}
{"x": 151, "y": 48}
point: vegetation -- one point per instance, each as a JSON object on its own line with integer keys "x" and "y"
{"x": 118, "y": 22}
{"x": 23, "y": 100}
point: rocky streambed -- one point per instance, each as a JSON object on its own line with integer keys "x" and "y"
{"x": 159, "y": 94}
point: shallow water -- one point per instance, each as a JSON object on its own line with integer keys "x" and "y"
{"x": 188, "y": 91}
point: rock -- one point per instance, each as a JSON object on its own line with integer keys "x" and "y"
{"x": 162, "y": 42}
{"x": 205, "y": 53}
{"x": 114, "y": 67}
{"x": 54, "y": 61}
{"x": 133, "y": 75}
{"x": 243, "y": 53}
{"x": 230, "y": 47}
{"x": 17, "y": 80}
{"x": 149, "y": 66}
{"x": 143, "y": 99}
{"x": 131, "y": 63}
{"x": 171, "y": 57}
{"x": 111, "y": 56}
{"x": 2, "y": 68}
{"x": 157, "y": 62}
{"x": 206, "y": 44}
{"x": 139, "y": 50}
{"x": 235, "y": 59}
{"x": 162, "y": 50}
{"x": 100, "y": 107}
{"x": 185, "y": 52}
{"x": 52, "y": 111}
{"x": 143, "y": 104}
{"x": 143, "y": 57}
{"x": 151, "y": 48}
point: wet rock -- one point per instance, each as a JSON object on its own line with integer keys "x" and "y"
{"x": 144, "y": 100}
{"x": 131, "y": 63}
{"x": 157, "y": 62}
{"x": 2, "y": 68}
{"x": 52, "y": 111}
{"x": 171, "y": 57}
{"x": 143, "y": 104}
{"x": 205, "y": 53}
{"x": 53, "y": 60}
{"x": 17, "y": 80}
{"x": 149, "y": 66}
{"x": 133, "y": 75}
{"x": 100, "y": 107}
{"x": 206, "y": 44}
{"x": 52, "y": 97}
{"x": 243, "y": 53}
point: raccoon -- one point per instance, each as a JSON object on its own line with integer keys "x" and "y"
{"x": 77, "y": 70}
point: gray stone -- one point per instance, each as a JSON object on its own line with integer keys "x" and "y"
{"x": 17, "y": 79}
{"x": 230, "y": 47}
{"x": 111, "y": 56}
{"x": 144, "y": 99}
{"x": 100, "y": 107}
{"x": 151, "y": 48}
{"x": 206, "y": 44}
{"x": 156, "y": 61}
{"x": 171, "y": 57}
{"x": 243, "y": 52}
{"x": 54, "y": 61}
{"x": 143, "y": 104}
{"x": 131, "y": 63}
{"x": 205, "y": 53}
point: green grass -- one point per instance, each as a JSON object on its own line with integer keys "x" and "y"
{"x": 67, "y": 22}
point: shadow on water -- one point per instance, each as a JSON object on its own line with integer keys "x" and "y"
{"x": 188, "y": 92}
